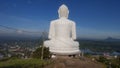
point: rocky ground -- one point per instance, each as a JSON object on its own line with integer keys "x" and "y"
{"x": 69, "y": 62}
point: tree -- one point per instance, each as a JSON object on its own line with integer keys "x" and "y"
{"x": 38, "y": 53}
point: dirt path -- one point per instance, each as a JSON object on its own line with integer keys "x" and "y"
{"x": 66, "y": 62}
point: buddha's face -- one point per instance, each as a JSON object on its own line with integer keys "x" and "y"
{"x": 63, "y": 11}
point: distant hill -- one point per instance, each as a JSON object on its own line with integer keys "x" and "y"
{"x": 112, "y": 39}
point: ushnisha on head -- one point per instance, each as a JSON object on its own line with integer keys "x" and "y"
{"x": 63, "y": 11}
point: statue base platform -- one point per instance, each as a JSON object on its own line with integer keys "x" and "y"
{"x": 65, "y": 52}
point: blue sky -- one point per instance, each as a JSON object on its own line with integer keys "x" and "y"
{"x": 96, "y": 19}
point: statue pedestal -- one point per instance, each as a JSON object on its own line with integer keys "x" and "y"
{"x": 63, "y": 48}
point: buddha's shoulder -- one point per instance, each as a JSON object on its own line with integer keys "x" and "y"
{"x": 71, "y": 21}
{"x": 58, "y": 20}
{"x": 53, "y": 21}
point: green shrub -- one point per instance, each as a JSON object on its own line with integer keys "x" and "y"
{"x": 38, "y": 53}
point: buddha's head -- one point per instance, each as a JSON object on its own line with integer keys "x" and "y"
{"x": 63, "y": 11}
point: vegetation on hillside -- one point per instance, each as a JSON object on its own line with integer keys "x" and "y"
{"x": 23, "y": 63}
{"x": 110, "y": 63}
{"x": 33, "y": 62}
{"x": 41, "y": 52}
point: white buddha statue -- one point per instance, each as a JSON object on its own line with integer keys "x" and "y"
{"x": 62, "y": 34}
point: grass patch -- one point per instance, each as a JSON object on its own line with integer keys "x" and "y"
{"x": 24, "y": 63}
